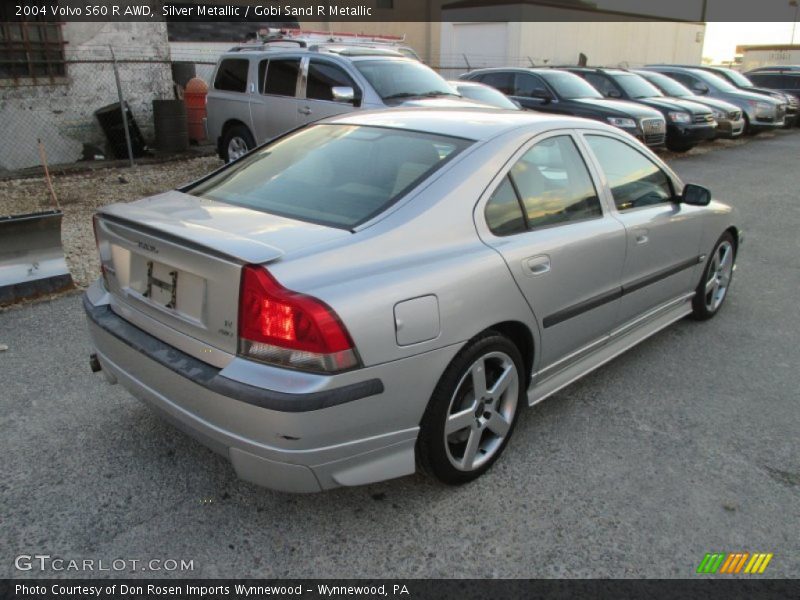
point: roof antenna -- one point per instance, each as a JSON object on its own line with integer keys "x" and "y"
{"x": 583, "y": 60}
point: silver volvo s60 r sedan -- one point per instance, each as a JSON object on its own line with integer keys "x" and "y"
{"x": 388, "y": 289}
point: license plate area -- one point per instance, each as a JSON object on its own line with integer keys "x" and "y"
{"x": 161, "y": 285}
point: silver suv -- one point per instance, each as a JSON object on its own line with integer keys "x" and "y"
{"x": 260, "y": 92}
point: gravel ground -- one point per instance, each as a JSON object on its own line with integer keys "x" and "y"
{"x": 82, "y": 193}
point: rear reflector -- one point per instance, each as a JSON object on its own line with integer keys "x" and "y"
{"x": 286, "y": 328}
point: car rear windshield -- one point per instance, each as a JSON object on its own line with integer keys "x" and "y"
{"x": 569, "y": 86}
{"x": 404, "y": 78}
{"x": 335, "y": 175}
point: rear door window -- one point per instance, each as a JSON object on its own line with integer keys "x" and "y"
{"x": 232, "y": 75}
{"x": 602, "y": 84}
{"x": 281, "y": 77}
{"x": 500, "y": 81}
{"x": 323, "y": 77}
{"x": 554, "y": 184}
{"x": 529, "y": 86}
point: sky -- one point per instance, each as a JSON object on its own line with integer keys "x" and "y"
{"x": 721, "y": 39}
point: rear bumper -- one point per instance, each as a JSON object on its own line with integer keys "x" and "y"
{"x": 352, "y": 434}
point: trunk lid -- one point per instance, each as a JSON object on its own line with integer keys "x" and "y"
{"x": 173, "y": 264}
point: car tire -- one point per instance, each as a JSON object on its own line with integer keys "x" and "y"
{"x": 716, "y": 280}
{"x": 236, "y": 142}
{"x": 462, "y": 434}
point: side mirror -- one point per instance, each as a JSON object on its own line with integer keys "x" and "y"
{"x": 699, "y": 88}
{"x": 695, "y": 195}
{"x": 343, "y": 94}
{"x": 614, "y": 94}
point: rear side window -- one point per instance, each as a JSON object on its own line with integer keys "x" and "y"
{"x": 634, "y": 179}
{"x": 602, "y": 84}
{"x": 336, "y": 175}
{"x": 549, "y": 185}
{"x": 232, "y": 75}
{"x": 281, "y": 78}
{"x": 500, "y": 81}
{"x": 529, "y": 86}
{"x": 322, "y": 77}
{"x": 503, "y": 210}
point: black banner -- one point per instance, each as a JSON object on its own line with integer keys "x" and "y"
{"x": 463, "y": 589}
{"x": 400, "y": 10}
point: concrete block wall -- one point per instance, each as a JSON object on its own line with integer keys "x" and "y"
{"x": 61, "y": 112}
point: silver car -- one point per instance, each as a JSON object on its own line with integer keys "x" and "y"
{"x": 259, "y": 92}
{"x": 388, "y": 289}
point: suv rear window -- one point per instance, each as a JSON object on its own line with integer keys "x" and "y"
{"x": 232, "y": 75}
{"x": 335, "y": 175}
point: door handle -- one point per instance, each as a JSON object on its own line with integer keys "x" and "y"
{"x": 537, "y": 265}
{"x": 304, "y": 111}
{"x": 642, "y": 238}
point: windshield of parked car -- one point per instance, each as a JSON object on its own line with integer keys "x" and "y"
{"x": 668, "y": 85}
{"x": 399, "y": 79}
{"x": 486, "y": 95}
{"x": 737, "y": 78}
{"x": 335, "y": 175}
{"x": 635, "y": 86}
{"x": 716, "y": 81}
{"x": 570, "y": 86}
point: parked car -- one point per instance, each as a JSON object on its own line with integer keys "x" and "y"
{"x": 742, "y": 82}
{"x": 760, "y": 112}
{"x": 472, "y": 90}
{"x": 688, "y": 123}
{"x": 553, "y": 91}
{"x": 782, "y": 79}
{"x": 390, "y": 288}
{"x": 729, "y": 118}
{"x": 260, "y": 92}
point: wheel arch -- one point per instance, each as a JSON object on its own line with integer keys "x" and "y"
{"x": 522, "y": 337}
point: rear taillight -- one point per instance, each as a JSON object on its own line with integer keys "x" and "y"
{"x": 96, "y": 227}
{"x": 286, "y": 328}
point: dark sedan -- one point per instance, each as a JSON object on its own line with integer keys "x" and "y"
{"x": 555, "y": 91}
{"x": 688, "y": 123}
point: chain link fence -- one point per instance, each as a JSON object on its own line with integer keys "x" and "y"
{"x": 77, "y": 116}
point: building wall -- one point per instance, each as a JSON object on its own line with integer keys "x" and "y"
{"x": 61, "y": 112}
{"x": 533, "y": 43}
{"x": 753, "y": 58}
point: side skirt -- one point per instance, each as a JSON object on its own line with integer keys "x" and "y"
{"x": 618, "y": 342}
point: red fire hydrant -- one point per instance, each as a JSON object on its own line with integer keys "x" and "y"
{"x": 194, "y": 96}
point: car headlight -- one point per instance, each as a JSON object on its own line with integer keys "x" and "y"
{"x": 622, "y": 122}
{"x": 680, "y": 117}
{"x": 718, "y": 114}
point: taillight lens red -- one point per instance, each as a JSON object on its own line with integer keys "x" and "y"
{"x": 280, "y": 326}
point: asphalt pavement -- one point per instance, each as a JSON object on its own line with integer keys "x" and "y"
{"x": 688, "y": 444}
